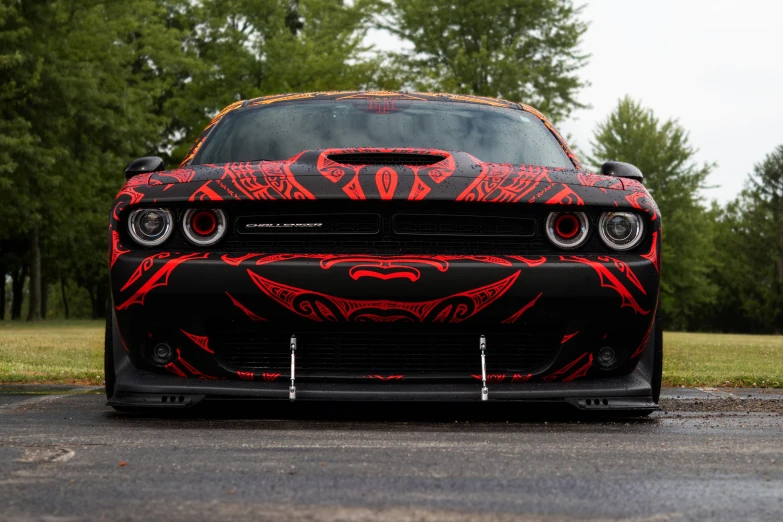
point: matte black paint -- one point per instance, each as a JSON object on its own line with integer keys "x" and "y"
{"x": 188, "y": 297}
{"x": 143, "y": 166}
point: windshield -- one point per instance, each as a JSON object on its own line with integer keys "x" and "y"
{"x": 278, "y": 132}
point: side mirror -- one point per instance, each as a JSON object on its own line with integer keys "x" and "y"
{"x": 619, "y": 169}
{"x": 143, "y": 166}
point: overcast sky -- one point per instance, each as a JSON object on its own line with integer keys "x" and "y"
{"x": 715, "y": 65}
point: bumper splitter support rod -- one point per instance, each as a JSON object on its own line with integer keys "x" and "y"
{"x": 292, "y": 389}
{"x": 483, "y": 348}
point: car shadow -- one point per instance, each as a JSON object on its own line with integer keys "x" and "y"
{"x": 337, "y": 413}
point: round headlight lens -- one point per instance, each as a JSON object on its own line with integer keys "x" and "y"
{"x": 621, "y": 230}
{"x": 152, "y": 223}
{"x": 150, "y": 226}
{"x": 204, "y": 227}
{"x": 567, "y": 230}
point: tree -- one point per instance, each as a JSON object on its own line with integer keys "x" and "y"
{"x": 663, "y": 153}
{"x": 521, "y": 50}
{"x": 20, "y": 75}
{"x": 22, "y": 151}
{"x": 87, "y": 85}
{"x": 750, "y": 249}
{"x": 254, "y": 48}
{"x": 103, "y": 68}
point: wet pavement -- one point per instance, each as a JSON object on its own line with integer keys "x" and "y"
{"x": 712, "y": 454}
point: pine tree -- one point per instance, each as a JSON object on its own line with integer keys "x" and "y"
{"x": 751, "y": 250}
{"x": 663, "y": 153}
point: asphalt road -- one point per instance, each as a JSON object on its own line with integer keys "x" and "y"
{"x": 710, "y": 456}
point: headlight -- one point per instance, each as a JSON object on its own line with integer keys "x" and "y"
{"x": 204, "y": 227}
{"x": 150, "y": 226}
{"x": 621, "y": 230}
{"x": 567, "y": 230}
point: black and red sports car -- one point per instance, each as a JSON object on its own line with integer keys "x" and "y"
{"x": 383, "y": 246}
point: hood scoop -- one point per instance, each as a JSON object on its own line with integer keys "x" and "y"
{"x": 385, "y": 158}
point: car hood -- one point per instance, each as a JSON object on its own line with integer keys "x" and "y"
{"x": 385, "y": 174}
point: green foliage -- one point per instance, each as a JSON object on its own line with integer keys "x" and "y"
{"x": 87, "y": 85}
{"x": 662, "y": 152}
{"x": 95, "y": 102}
{"x": 750, "y": 251}
{"x": 521, "y": 50}
{"x": 722, "y": 267}
{"x": 19, "y": 75}
{"x": 251, "y": 48}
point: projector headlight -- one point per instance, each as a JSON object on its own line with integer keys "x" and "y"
{"x": 621, "y": 230}
{"x": 150, "y": 226}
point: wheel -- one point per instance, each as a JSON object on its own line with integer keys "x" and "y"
{"x": 657, "y": 373}
{"x": 108, "y": 353}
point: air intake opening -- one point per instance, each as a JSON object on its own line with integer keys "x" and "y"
{"x": 386, "y": 158}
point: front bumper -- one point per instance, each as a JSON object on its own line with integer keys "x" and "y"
{"x": 196, "y": 302}
{"x": 135, "y": 388}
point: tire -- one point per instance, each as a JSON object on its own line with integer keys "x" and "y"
{"x": 657, "y": 373}
{"x": 108, "y": 354}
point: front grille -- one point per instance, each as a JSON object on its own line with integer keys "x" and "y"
{"x": 388, "y": 227}
{"x": 391, "y": 352}
{"x": 382, "y": 158}
{"x": 460, "y": 225}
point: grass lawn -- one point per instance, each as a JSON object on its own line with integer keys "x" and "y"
{"x": 71, "y": 352}
{"x": 694, "y": 359}
{"x": 52, "y": 352}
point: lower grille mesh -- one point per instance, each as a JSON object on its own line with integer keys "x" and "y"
{"x": 389, "y": 351}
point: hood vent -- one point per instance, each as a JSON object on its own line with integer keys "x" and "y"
{"x": 386, "y": 158}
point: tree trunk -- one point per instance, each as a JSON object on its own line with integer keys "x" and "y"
{"x": 779, "y": 322}
{"x": 65, "y": 297}
{"x": 99, "y": 302}
{"x": 93, "y": 298}
{"x": 44, "y": 297}
{"x": 2, "y": 292}
{"x": 35, "y": 277}
{"x": 17, "y": 288}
